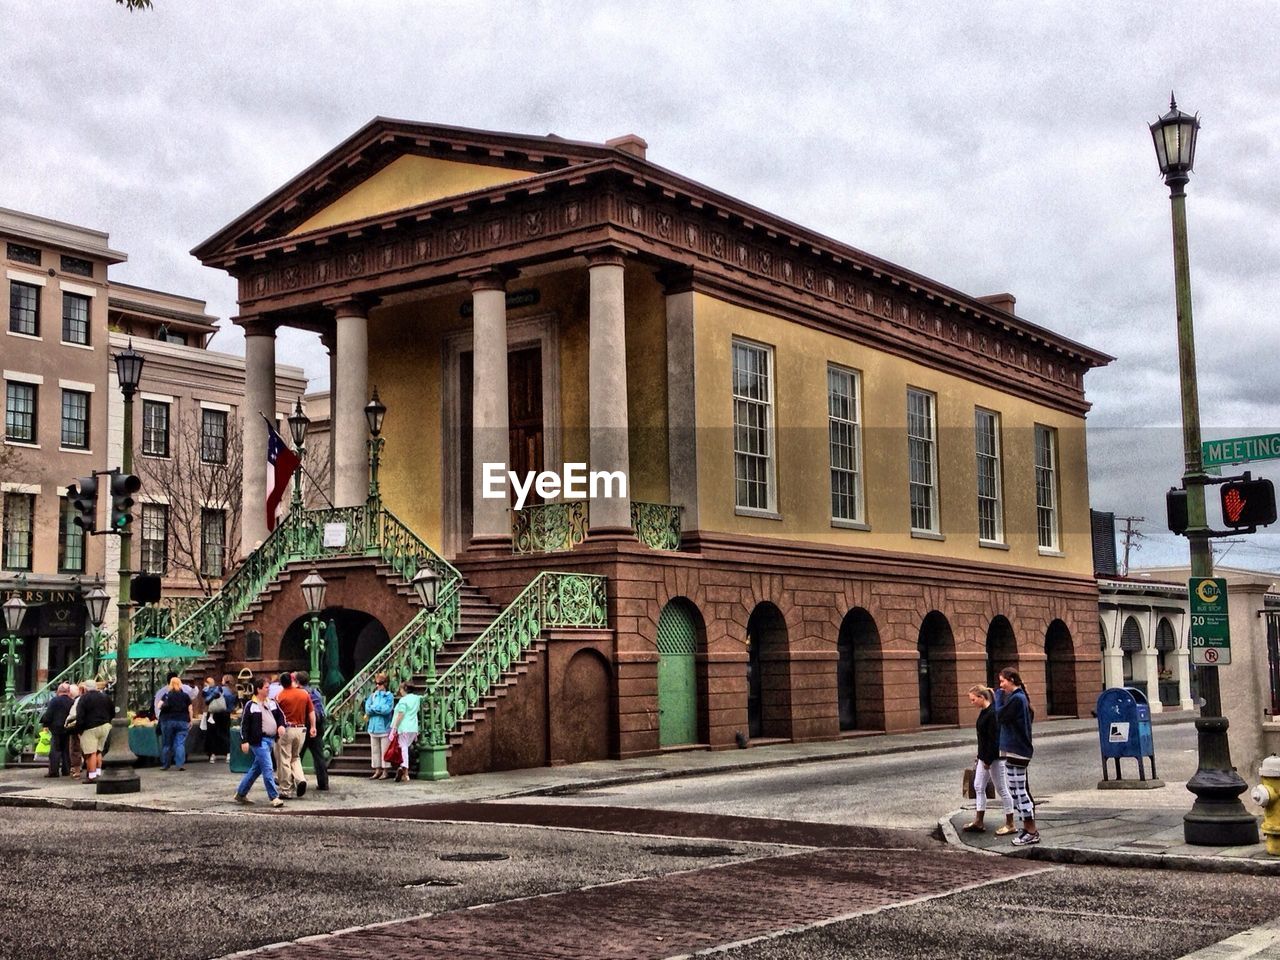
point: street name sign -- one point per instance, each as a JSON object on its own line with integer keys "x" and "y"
{"x": 1210, "y": 630}
{"x": 1218, "y": 453}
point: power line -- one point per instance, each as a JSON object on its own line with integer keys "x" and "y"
{"x": 1132, "y": 538}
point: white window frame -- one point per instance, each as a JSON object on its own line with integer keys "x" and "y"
{"x": 837, "y": 422}
{"x": 1048, "y": 536}
{"x": 221, "y": 547}
{"x": 742, "y": 402}
{"x": 994, "y": 458}
{"x": 144, "y": 558}
{"x": 928, "y": 442}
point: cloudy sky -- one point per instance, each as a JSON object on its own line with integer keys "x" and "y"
{"x": 993, "y": 146}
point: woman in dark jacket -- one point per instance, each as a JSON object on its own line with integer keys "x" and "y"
{"x": 988, "y": 767}
{"x": 1013, "y": 710}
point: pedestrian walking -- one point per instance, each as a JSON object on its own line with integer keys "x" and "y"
{"x": 260, "y": 723}
{"x": 93, "y": 719}
{"x": 315, "y": 741}
{"x": 1014, "y": 715}
{"x": 988, "y": 767}
{"x": 219, "y": 701}
{"x": 54, "y": 719}
{"x": 404, "y": 726}
{"x": 300, "y": 720}
{"x": 378, "y": 707}
{"x": 176, "y": 713}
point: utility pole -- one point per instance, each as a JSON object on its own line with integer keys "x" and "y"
{"x": 1131, "y": 538}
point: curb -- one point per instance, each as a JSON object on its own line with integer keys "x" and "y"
{"x": 1117, "y": 858}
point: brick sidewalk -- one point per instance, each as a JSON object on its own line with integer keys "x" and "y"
{"x": 672, "y": 915}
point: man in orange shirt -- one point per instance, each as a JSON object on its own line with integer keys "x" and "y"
{"x": 300, "y": 716}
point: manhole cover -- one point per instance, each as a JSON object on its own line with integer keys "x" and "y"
{"x": 692, "y": 850}
{"x": 429, "y": 882}
{"x": 472, "y": 857}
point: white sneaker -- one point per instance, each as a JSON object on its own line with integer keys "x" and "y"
{"x": 277, "y": 802}
{"x": 212, "y": 758}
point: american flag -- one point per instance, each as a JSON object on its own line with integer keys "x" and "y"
{"x": 281, "y": 462}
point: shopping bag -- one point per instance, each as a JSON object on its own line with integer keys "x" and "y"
{"x": 966, "y": 786}
{"x": 392, "y": 755}
{"x": 43, "y": 744}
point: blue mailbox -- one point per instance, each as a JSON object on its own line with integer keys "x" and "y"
{"x": 1124, "y": 729}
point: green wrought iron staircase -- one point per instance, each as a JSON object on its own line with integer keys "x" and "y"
{"x": 370, "y": 530}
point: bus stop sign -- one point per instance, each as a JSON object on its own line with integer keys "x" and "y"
{"x": 1210, "y": 630}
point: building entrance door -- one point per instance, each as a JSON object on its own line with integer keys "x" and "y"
{"x": 677, "y": 681}
{"x": 525, "y": 423}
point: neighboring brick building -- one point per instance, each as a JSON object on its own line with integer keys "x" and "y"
{"x": 881, "y": 482}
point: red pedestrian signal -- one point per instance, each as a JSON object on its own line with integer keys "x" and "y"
{"x": 1248, "y": 503}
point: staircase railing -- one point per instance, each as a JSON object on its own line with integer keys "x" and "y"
{"x": 411, "y": 651}
{"x": 366, "y": 530}
{"x": 552, "y": 600}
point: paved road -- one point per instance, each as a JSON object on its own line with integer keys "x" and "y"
{"x": 907, "y": 790}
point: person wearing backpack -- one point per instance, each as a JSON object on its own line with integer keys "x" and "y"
{"x": 1014, "y": 714}
{"x": 315, "y": 738}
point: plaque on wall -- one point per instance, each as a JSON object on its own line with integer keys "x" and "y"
{"x": 335, "y": 535}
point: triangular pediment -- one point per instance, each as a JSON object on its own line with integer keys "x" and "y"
{"x": 405, "y": 182}
{"x": 393, "y": 165}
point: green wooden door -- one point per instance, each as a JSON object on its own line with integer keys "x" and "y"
{"x": 677, "y": 682}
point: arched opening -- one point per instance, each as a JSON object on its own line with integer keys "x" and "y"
{"x": 681, "y": 674}
{"x": 1167, "y": 665}
{"x": 1002, "y": 648}
{"x": 360, "y": 638}
{"x": 1132, "y": 663}
{"x": 1059, "y": 671}
{"x": 939, "y": 702}
{"x": 768, "y": 673}
{"x": 585, "y": 717}
{"x": 860, "y": 673}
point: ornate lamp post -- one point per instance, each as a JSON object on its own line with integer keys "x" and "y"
{"x": 374, "y": 412}
{"x": 14, "y": 610}
{"x": 433, "y": 763}
{"x": 1217, "y": 818}
{"x": 96, "y": 601}
{"x": 298, "y": 423}
{"x": 313, "y": 588}
{"x": 118, "y": 774}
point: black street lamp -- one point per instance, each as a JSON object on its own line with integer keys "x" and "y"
{"x": 374, "y": 412}
{"x": 313, "y": 590}
{"x": 426, "y": 584}
{"x": 298, "y": 423}
{"x": 1217, "y": 818}
{"x": 118, "y": 773}
{"x": 96, "y": 601}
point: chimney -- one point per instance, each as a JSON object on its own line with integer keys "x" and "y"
{"x": 629, "y": 143}
{"x": 1001, "y": 301}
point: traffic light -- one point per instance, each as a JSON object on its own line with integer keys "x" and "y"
{"x": 1248, "y": 503}
{"x": 84, "y": 498}
{"x": 1176, "y": 507}
{"x": 123, "y": 486}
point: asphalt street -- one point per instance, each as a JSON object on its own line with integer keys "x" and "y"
{"x": 906, "y": 790}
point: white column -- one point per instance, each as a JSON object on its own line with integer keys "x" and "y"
{"x": 330, "y": 343}
{"x": 350, "y": 430}
{"x": 1183, "y": 653}
{"x": 259, "y": 398}
{"x": 607, "y": 390}
{"x": 682, "y": 413}
{"x": 490, "y": 417}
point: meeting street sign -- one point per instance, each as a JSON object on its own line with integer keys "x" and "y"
{"x": 1210, "y": 631}
{"x": 1218, "y": 453}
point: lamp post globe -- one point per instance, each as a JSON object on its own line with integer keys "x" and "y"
{"x": 1217, "y": 817}
{"x": 129, "y": 370}
{"x": 313, "y": 589}
{"x": 96, "y": 600}
{"x": 14, "y": 610}
{"x": 374, "y": 412}
{"x": 426, "y": 584}
{"x": 298, "y": 423}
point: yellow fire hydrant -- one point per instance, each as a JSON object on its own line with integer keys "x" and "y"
{"x": 1267, "y": 795}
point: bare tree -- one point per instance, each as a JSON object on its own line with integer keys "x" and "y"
{"x": 192, "y": 480}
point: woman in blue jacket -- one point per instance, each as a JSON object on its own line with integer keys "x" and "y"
{"x": 1013, "y": 711}
{"x": 378, "y": 707}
